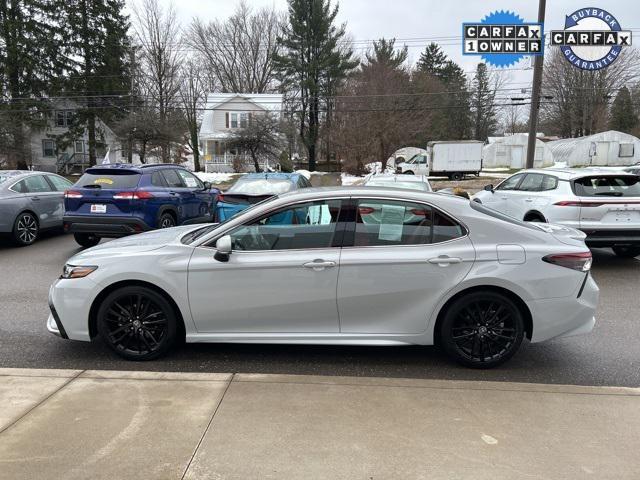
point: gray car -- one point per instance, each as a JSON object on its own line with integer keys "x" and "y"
{"x": 30, "y": 202}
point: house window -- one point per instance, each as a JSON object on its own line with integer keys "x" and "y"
{"x": 626, "y": 150}
{"x": 64, "y": 118}
{"x": 234, "y": 120}
{"x": 48, "y": 148}
{"x": 238, "y": 120}
{"x": 79, "y": 148}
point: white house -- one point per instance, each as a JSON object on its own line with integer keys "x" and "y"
{"x": 511, "y": 152}
{"x": 610, "y": 149}
{"x": 224, "y": 113}
{"x": 48, "y": 152}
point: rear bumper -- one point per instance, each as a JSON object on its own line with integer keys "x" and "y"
{"x": 612, "y": 238}
{"x": 105, "y": 226}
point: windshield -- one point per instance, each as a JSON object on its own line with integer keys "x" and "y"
{"x": 260, "y": 186}
{"x": 108, "y": 178}
{"x": 607, "y": 186}
{"x": 423, "y": 187}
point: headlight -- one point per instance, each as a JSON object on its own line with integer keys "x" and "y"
{"x": 76, "y": 271}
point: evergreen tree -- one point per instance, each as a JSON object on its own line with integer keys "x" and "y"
{"x": 311, "y": 61}
{"x": 623, "y": 117}
{"x": 483, "y": 106}
{"x": 432, "y": 60}
{"x": 385, "y": 55}
{"x": 96, "y": 39}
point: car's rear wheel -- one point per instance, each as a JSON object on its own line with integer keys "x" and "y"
{"x": 137, "y": 323}
{"x": 455, "y": 176}
{"x": 482, "y": 329}
{"x": 86, "y": 240}
{"x": 626, "y": 252}
{"x": 409, "y": 172}
{"x": 166, "y": 221}
{"x": 25, "y": 229}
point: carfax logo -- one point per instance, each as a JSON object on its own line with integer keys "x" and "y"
{"x": 592, "y": 38}
{"x": 502, "y": 38}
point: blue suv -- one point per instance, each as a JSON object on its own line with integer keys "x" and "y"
{"x": 122, "y": 199}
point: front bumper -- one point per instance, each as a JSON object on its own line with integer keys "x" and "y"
{"x": 105, "y": 226}
{"x": 70, "y": 301}
{"x": 612, "y": 238}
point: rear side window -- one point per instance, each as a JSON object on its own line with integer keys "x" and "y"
{"x": 157, "y": 180}
{"x": 109, "y": 179}
{"x": 537, "y": 182}
{"x": 172, "y": 178}
{"x": 608, "y": 186}
{"x": 59, "y": 184}
{"x": 390, "y": 222}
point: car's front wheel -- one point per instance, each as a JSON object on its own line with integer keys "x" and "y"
{"x": 137, "y": 323}
{"x": 626, "y": 252}
{"x": 86, "y": 240}
{"x": 25, "y": 229}
{"x": 482, "y": 329}
{"x": 167, "y": 221}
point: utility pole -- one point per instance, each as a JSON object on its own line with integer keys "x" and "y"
{"x": 535, "y": 95}
{"x": 132, "y": 74}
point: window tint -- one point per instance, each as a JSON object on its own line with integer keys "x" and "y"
{"x": 306, "y": 225}
{"x": 172, "y": 178}
{"x": 157, "y": 180}
{"x": 33, "y": 184}
{"x": 610, "y": 185}
{"x": 109, "y": 179}
{"x": 190, "y": 180}
{"x": 59, "y": 184}
{"x": 510, "y": 183}
{"x": 389, "y": 222}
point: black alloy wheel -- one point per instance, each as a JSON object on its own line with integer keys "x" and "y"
{"x": 86, "y": 240}
{"x": 137, "y": 323}
{"x": 25, "y": 229}
{"x": 167, "y": 221}
{"x": 482, "y": 329}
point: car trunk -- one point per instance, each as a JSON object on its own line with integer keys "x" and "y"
{"x": 98, "y": 191}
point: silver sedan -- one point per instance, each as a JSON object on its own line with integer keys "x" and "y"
{"x": 307, "y": 268}
{"x": 29, "y": 203}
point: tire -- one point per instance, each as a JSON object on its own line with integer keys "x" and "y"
{"x": 409, "y": 172}
{"x": 25, "y": 229}
{"x": 166, "y": 220}
{"x": 534, "y": 218}
{"x": 86, "y": 240}
{"x": 488, "y": 326}
{"x": 626, "y": 252}
{"x": 137, "y": 323}
{"x": 457, "y": 176}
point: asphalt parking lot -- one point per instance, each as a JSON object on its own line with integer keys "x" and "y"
{"x": 610, "y": 355}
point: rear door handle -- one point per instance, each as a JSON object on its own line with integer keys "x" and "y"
{"x": 35, "y": 198}
{"x": 528, "y": 200}
{"x": 319, "y": 264}
{"x": 444, "y": 260}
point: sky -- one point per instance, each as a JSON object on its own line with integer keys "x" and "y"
{"x": 419, "y": 21}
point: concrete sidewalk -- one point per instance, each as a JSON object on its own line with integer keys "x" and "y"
{"x": 72, "y": 424}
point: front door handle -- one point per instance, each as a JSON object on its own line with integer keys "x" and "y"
{"x": 444, "y": 260}
{"x": 35, "y": 198}
{"x": 528, "y": 200}
{"x": 319, "y": 264}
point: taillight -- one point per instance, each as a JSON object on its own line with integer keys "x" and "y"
{"x": 571, "y": 203}
{"x": 138, "y": 195}
{"x": 575, "y": 261}
{"x": 72, "y": 194}
{"x": 220, "y": 197}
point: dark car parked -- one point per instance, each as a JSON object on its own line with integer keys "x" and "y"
{"x": 123, "y": 199}
{"x": 29, "y": 203}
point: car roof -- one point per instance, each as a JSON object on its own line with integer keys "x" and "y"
{"x": 398, "y": 177}
{"x": 371, "y": 191}
{"x": 573, "y": 173}
{"x": 134, "y": 167}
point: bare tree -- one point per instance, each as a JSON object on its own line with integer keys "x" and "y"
{"x": 576, "y": 102}
{"x": 261, "y": 138}
{"x": 157, "y": 30}
{"x": 239, "y": 51}
{"x": 192, "y": 98}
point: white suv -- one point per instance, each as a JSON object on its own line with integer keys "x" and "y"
{"x": 604, "y": 204}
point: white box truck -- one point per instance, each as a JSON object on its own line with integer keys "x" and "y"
{"x": 453, "y": 159}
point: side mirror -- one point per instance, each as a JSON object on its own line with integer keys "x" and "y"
{"x": 223, "y": 249}
{"x": 207, "y": 185}
{"x": 489, "y": 188}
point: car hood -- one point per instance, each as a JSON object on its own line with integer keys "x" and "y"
{"x": 142, "y": 242}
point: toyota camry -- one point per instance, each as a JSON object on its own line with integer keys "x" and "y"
{"x": 353, "y": 266}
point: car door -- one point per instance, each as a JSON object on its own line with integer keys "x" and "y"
{"x": 59, "y": 185}
{"x": 44, "y": 201}
{"x": 523, "y": 198}
{"x": 422, "y": 166}
{"x": 500, "y": 199}
{"x": 200, "y": 202}
{"x": 178, "y": 194}
{"x": 398, "y": 261}
{"x": 280, "y": 277}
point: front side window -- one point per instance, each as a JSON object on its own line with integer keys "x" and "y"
{"x": 190, "y": 180}
{"x": 510, "y": 183}
{"x": 392, "y": 222}
{"x": 532, "y": 183}
{"x": 307, "y": 225}
{"x": 48, "y": 148}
